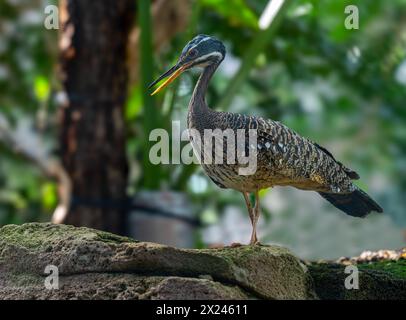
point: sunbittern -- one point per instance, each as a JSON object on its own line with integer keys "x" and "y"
{"x": 284, "y": 158}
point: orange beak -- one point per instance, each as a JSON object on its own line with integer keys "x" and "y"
{"x": 172, "y": 74}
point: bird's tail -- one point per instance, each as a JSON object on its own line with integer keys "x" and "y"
{"x": 356, "y": 203}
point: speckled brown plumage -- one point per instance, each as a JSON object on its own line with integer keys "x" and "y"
{"x": 283, "y": 158}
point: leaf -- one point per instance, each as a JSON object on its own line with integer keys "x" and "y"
{"x": 41, "y": 88}
{"x": 49, "y": 195}
{"x": 134, "y": 104}
{"x": 236, "y": 11}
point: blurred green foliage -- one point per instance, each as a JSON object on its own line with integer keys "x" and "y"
{"x": 27, "y": 84}
{"x": 344, "y": 88}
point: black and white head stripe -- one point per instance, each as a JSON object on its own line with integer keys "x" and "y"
{"x": 208, "y": 49}
{"x": 194, "y": 42}
{"x": 217, "y": 56}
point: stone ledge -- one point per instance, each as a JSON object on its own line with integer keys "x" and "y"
{"x": 90, "y": 262}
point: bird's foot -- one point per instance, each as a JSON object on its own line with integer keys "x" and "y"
{"x": 255, "y": 242}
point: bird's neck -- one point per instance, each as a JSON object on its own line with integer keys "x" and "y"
{"x": 197, "y": 103}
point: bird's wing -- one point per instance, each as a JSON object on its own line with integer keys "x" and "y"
{"x": 301, "y": 159}
{"x": 351, "y": 173}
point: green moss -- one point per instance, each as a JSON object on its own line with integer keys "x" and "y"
{"x": 393, "y": 268}
{"x": 39, "y": 235}
{"x": 244, "y": 252}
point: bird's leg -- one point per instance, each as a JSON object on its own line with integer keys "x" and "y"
{"x": 256, "y": 213}
{"x": 249, "y": 206}
{"x": 252, "y": 216}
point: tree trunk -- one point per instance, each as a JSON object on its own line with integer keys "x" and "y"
{"x": 94, "y": 71}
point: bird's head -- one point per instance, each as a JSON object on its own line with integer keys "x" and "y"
{"x": 201, "y": 51}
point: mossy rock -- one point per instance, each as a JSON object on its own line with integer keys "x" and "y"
{"x": 394, "y": 269}
{"x": 381, "y": 280}
{"x": 264, "y": 272}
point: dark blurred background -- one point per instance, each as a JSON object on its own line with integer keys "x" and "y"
{"x": 75, "y": 116}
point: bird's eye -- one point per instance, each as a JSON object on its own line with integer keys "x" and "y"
{"x": 192, "y": 53}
